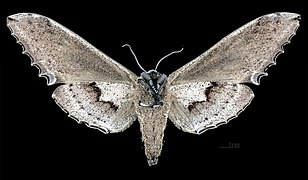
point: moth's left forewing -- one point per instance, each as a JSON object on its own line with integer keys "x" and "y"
{"x": 61, "y": 55}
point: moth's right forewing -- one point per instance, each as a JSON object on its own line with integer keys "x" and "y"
{"x": 61, "y": 55}
{"x": 244, "y": 55}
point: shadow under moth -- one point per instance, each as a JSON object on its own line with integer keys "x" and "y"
{"x": 206, "y": 92}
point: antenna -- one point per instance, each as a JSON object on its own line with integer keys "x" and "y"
{"x": 167, "y": 56}
{"x": 134, "y": 56}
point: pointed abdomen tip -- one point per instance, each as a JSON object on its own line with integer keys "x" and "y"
{"x": 153, "y": 161}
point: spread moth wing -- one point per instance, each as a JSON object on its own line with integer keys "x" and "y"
{"x": 206, "y": 92}
{"x": 61, "y": 55}
{"x": 244, "y": 55}
{"x": 97, "y": 90}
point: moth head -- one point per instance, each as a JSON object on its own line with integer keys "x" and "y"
{"x": 153, "y": 74}
{"x": 152, "y": 81}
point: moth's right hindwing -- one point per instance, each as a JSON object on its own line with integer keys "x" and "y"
{"x": 197, "y": 107}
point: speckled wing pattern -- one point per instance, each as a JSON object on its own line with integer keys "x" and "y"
{"x": 209, "y": 90}
{"x": 96, "y": 90}
{"x": 201, "y": 95}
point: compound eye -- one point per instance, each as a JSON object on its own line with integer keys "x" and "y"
{"x": 145, "y": 76}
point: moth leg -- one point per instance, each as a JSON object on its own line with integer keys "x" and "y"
{"x": 155, "y": 105}
{"x": 144, "y": 105}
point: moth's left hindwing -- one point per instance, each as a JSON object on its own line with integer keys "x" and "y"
{"x": 208, "y": 91}
{"x": 105, "y": 106}
{"x": 97, "y": 90}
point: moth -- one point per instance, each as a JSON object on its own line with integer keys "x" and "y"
{"x": 206, "y": 92}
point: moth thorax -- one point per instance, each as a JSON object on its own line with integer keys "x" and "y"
{"x": 154, "y": 79}
{"x": 154, "y": 83}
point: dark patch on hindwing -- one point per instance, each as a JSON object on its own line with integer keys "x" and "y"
{"x": 209, "y": 90}
{"x": 193, "y": 105}
{"x": 98, "y": 92}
